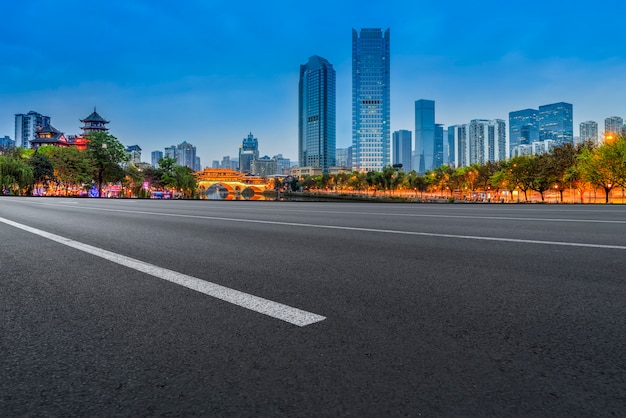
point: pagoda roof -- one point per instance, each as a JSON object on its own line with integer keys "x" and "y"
{"x": 56, "y": 137}
{"x": 94, "y": 117}
{"x": 48, "y": 129}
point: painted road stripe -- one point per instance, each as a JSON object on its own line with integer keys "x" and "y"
{"x": 267, "y": 307}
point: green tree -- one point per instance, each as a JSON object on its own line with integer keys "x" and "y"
{"x": 603, "y": 166}
{"x": 106, "y": 154}
{"x": 185, "y": 181}
{"x": 72, "y": 167}
{"x": 15, "y": 175}
{"x": 561, "y": 159}
{"x": 43, "y": 170}
{"x": 542, "y": 173}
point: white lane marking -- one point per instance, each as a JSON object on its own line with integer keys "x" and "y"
{"x": 350, "y": 228}
{"x": 267, "y": 307}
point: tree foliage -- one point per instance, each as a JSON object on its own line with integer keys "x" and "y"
{"x": 106, "y": 153}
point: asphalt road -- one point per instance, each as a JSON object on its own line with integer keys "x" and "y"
{"x": 366, "y": 310}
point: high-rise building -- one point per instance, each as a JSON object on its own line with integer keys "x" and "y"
{"x": 6, "y": 143}
{"x": 487, "y": 141}
{"x": 402, "y": 145}
{"x": 171, "y": 152}
{"x": 424, "y": 135}
{"x": 438, "y": 157}
{"x": 589, "y": 131}
{"x": 451, "y": 137}
{"x": 26, "y": 126}
{"x": 317, "y": 114}
{"x": 283, "y": 165}
{"x": 186, "y": 155}
{"x": 248, "y": 151}
{"x": 155, "y": 157}
{"x": 344, "y": 157}
{"x": 523, "y": 127}
{"x": 134, "y": 152}
{"x": 264, "y": 166}
{"x": 613, "y": 126}
{"x": 556, "y": 123}
{"x": 458, "y": 141}
{"x": 371, "y": 127}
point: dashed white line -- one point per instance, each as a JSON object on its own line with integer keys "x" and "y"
{"x": 267, "y": 307}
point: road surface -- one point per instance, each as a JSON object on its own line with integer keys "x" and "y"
{"x": 213, "y": 308}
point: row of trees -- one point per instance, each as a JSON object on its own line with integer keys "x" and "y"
{"x": 68, "y": 170}
{"x": 582, "y": 168}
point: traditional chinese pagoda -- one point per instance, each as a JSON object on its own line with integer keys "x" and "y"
{"x": 94, "y": 123}
{"x": 48, "y": 135}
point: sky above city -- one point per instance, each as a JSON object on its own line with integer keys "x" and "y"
{"x": 209, "y": 72}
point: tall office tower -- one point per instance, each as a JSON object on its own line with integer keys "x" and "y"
{"x": 523, "y": 128}
{"x": 438, "y": 155}
{"x": 155, "y": 156}
{"x": 424, "y": 135}
{"x": 26, "y": 126}
{"x": 487, "y": 141}
{"x": 171, "y": 152}
{"x": 134, "y": 152}
{"x": 370, "y": 100}
{"x": 186, "y": 155}
{"x": 6, "y": 143}
{"x": 589, "y": 131}
{"x": 317, "y": 114}
{"x": 451, "y": 135}
{"x": 458, "y": 138}
{"x": 402, "y": 144}
{"x": 343, "y": 158}
{"x": 248, "y": 151}
{"x": 613, "y": 125}
{"x": 556, "y": 123}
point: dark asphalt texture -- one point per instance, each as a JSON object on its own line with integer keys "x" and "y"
{"x": 416, "y": 325}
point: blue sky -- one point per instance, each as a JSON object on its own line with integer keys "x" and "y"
{"x": 209, "y": 72}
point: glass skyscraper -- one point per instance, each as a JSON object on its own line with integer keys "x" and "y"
{"x": 523, "y": 128}
{"x": 589, "y": 131}
{"x": 424, "y": 135}
{"x": 248, "y": 151}
{"x": 613, "y": 125}
{"x": 556, "y": 123}
{"x": 370, "y": 100}
{"x": 317, "y": 114}
{"x": 402, "y": 147}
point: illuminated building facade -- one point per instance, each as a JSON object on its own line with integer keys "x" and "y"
{"x": 370, "y": 100}
{"x": 48, "y": 135}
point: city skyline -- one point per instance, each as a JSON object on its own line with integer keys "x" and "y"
{"x": 211, "y": 87}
